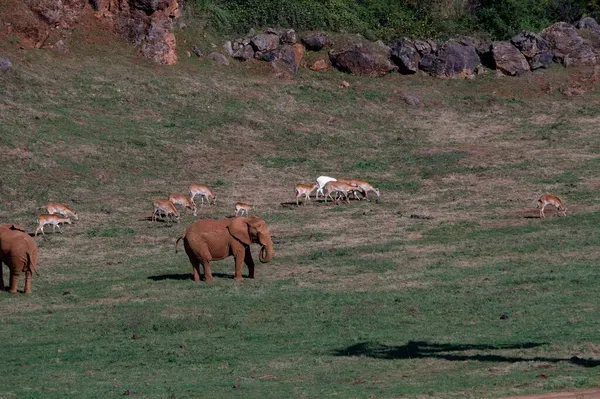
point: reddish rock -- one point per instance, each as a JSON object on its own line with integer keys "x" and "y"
{"x": 509, "y": 60}
{"x": 320, "y": 65}
{"x": 567, "y": 46}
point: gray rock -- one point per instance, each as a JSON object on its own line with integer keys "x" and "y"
{"x": 508, "y": 59}
{"x": 567, "y": 46}
{"x": 534, "y": 48}
{"x": 366, "y": 59}
{"x": 5, "y": 64}
{"x": 286, "y": 60}
{"x": 315, "y": 41}
{"x": 405, "y": 55}
{"x": 220, "y": 58}
{"x": 423, "y": 47}
{"x": 244, "y": 53}
{"x": 228, "y": 47}
{"x": 453, "y": 60}
{"x": 588, "y": 23}
{"x": 412, "y": 100}
{"x": 61, "y": 46}
{"x": 289, "y": 37}
{"x": 265, "y": 42}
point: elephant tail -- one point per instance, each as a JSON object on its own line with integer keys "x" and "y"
{"x": 31, "y": 264}
{"x": 177, "y": 242}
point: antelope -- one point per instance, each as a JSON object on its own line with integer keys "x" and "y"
{"x": 363, "y": 187}
{"x": 304, "y": 190}
{"x": 183, "y": 200}
{"x": 164, "y": 206}
{"x": 54, "y": 220}
{"x": 340, "y": 188}
{"x": 242, "y": 207}
{"x": 61, "y": 209}
{"x": 322, "y": 181}
{"x": 202, "y": 191}
{"x": 551, "y": 199}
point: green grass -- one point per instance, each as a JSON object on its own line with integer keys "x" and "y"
{"x": 449, "y": 287}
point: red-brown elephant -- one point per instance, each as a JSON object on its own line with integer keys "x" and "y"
{"x": 209, "y": 239}
{"x": 20, "y": 253}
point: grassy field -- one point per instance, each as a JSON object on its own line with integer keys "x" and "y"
{"x": 449, "y": 287}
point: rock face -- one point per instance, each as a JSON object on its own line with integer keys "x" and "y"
{"x": 534, "y": 48}
{"x": 315, "y": 41}
{"x": 508, "y": 59}
{"x": 159, "y": 43}
{"x": 405, "y": 55}
{"x": 453, "y": 60}
{"x": 5, "y": 64}
{"x": 567, "y": 46}
{"x": 363, "y": 59}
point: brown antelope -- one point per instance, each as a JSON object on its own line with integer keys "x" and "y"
{"x": 338, "y": 188}
{"x": 202, "y": 191}
{"x": 61, "y": 209}
{"x": 183, "y": 200}
{"x": 304, "y": 190}
{"x": 363, "y": 187}
{"x": 242, "y": 208}
{"x": 166, "y": 207}
{"x": 54, "y": 220}
{"x": 550, "y": 199}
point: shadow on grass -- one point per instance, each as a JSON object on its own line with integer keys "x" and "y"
{"x": 421, "y": 349}
{"x": 186, "y": 276}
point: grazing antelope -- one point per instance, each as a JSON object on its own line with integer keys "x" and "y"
{"x": 183, "y": 200}
{"x": 61, "y": 209}
{"x": 550, "y": 199}
{"x": 164, "y": 206}
{"x": 363, "y": 187}
{"x": 339, "y": 188}
{"x": 304, "y": 190}
{"x": 54, "y": 220}
{"x": 322, "y": 181}
{"x": 242, "y": 207}
{"x": 202, "y": 191}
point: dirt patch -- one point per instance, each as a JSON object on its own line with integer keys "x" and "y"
{"x": 588, "y": 394}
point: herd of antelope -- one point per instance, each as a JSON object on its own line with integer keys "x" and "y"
{"x": 325, "y": 185}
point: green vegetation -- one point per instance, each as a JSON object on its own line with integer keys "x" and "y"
{"x": 386, "y": 19}
{"x": 449, "y": 287}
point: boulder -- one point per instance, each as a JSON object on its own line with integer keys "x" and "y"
{"x": 220, "y": 58}
{"x": 590, "y": 24}
{"x": 159, "y": 43}
{"x": 5, "y": 64}
{"x": 453, "y": 60}
{"x": 228, "y": 46}
{"x": 534, "y": 48}
{"x": 423, "y": 47}
{"x": 243, "y": 52}
{"x": 368, "y": 59}
{"x": 299, "y": 52}
{"x": 286, "y": 60}
{"x": 412, "y": 100}
{"x": 315, "y": 41}
{"x": 320, "y": 65}
{"x": 265, "y": 42}
{"x": 404, "y": 54}
{"x": 567, "y": 46}
{"x": 508, "y": 59}
{"x": 289, "y": 37}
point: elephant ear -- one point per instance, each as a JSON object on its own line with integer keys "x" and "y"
{"x": 239, "y": 229}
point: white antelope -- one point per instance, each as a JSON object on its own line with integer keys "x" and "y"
{"x": 550, "y": 199}
{"x": 203, "y": 191}
{"x": 242, "y": 207}
{"x": 362, "y": 186}
{"x": 339, "y": 188}
{"x": 322, "y": 181}
{"x": 54, "y": 220}
{"x": 166, "y": 207}
{"x": 304, "y": 190}
{"x": 183, "y": 200}
{"x": 61, "y": 209}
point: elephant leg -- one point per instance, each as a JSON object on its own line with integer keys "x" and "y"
{"x": 28, "y": 282}
{"x": 249, "y": 262}
{"x": 14, "y": 279}
{"x": 207, "y": 273}
{"x": 1, "y": 277}
{"x": 196, "y": 270}
{"x": 239, "y": 265}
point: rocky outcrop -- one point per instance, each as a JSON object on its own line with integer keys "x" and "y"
{"x": 453, "y": 60}
{"x": 508, "y": 59}
{"x": 366, "y": 59}
{"x": 534, "y": 48}
{"x": 405, "y": 54}
{"x": 568, "y": 48}
{"x": 315, "y": 41}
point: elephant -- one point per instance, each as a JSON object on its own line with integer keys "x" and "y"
{"x": 20, "y": 253}
{"x": 210, "y": 239}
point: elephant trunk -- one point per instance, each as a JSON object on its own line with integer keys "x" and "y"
{"x": 266, "y": 252}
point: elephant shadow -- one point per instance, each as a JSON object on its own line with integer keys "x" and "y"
{"x": 186, "y": 276}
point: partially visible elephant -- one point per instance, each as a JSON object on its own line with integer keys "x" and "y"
{"x": 209, "y": 239}
{"x": 20, "y": 253}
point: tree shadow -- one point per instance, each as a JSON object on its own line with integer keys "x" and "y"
{"x": 422, "y": 349}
